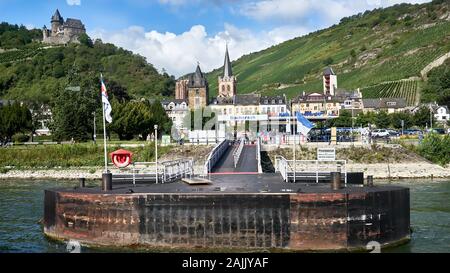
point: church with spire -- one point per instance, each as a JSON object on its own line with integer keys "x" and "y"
{"x": 227, "y": 82}
{"x": 195, "y": 89}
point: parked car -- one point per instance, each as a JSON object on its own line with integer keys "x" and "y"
{"x": 380, "y": 133}
{"x": 393, "y": 133}
{"x": 319, "y": 135}
{"x": 439, "y": 131}
{"x": 411, "y": 132}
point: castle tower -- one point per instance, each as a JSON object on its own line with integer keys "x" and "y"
{"x": 45, "y": 32}
{"x": 57, "y": 21}
{"x": 227, "y": 83}
{"x": 181, "y": 89}
{"x": 198, "y": 89}
{"x": 329, "y": 82}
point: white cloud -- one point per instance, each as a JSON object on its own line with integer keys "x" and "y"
{"x": 327, "y": 11}
{"x": 73, "y": 2}
{"x": 178, "y": 54}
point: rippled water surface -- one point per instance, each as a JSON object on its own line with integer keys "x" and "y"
{"x": 21, "y": 208}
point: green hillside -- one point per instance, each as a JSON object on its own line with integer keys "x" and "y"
{"x": 32, "y": 71}
{"x": 366, "y": 50}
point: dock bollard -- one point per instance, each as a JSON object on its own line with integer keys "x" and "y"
{"x": 335, "y": 180}
{"x": 370, "y": 180}
{"x": 82, "y": 182}
{"x": 107, "y": 181}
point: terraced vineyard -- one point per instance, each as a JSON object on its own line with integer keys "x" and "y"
{"x": 408, "y": 89}
{"x": 18, "y": 55}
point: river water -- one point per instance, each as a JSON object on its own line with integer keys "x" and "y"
{"x": 21, "y": 208}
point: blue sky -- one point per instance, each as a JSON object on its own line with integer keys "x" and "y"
{"x": 175, "y": 34}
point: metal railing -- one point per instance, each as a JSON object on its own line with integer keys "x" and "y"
{"x": 258, "y": 154}
{"x": 309, "y": 169}
{"x": 237, "y": 153}
{"x": 177, "y": 169}
{"x": 167, "y": 171}
{"x": 215, "y": 155}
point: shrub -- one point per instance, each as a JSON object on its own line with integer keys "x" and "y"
{"x": 435, "y": 148}
{"x": 20, "y": 138}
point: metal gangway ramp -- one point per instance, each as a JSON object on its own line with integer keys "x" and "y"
{"x": 239, "y": 158}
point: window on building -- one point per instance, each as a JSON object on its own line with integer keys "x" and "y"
{"x": 228, "y": 88}
{"x": 197, "y": 101}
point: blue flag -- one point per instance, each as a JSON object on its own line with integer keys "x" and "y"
{"x": 303, "y": 125}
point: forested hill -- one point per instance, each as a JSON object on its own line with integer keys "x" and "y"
{"x": 382, "y": 52}
{"x": 32, "y": 71}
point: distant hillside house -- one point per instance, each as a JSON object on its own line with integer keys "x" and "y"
{"x": 442, "y": 114}
{"x": 390, "y": 105}
{"x": 63, "y": 32}
{"x": 176, "y": 110}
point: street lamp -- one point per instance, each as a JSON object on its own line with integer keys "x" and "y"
{"x": 95, "y": 130}
{"x": 156, "y": 151}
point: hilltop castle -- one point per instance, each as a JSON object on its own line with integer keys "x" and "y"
{"x": 63, "y": 32}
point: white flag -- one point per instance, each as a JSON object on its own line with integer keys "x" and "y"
{"x": 106, "y": 104}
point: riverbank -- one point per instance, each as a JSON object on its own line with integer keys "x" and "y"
{"x": 410, "y": 170}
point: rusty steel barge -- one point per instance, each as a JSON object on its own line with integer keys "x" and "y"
{"x": 240, "y": 212}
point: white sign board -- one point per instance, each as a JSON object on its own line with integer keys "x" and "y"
{"x": 326, "y": 154}
{"x": 242, "y": 117}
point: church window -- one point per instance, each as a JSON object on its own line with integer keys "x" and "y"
{"x": 228, "y": 88}
{"x": 223, "y": 88}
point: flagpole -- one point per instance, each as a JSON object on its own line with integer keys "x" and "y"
{"x": 104, "y": 138}
{"x": 295, "y": 132}
{"x": 104, "y": 130}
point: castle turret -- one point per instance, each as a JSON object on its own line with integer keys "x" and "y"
{"x": 44, "y": 32}
{"x": 57, "y": 21}
{"x": 198, "y": 89}
{"x": 227, "y": 83}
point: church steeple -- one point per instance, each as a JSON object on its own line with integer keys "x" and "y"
{"x": 227, "y": 83}
{"x": 227, "y": 72}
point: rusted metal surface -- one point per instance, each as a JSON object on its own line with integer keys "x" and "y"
{"x": 345, "y": 219}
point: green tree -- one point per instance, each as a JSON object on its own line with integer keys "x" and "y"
{"x": 396, "y": 120}
{"x": 14, "y": 118}
{"x": 160, "y": 118}
{"x": 73, "y": 109}
{"x": 362, "y": 120}
{"x": 344, "y": 120}
{"x": 438, "y": 85}
{"x": 382, "y": 119}
{"x": 137, "y": 118}
{"x": 422, "y": 117}
{"x": 84, "y": 39}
